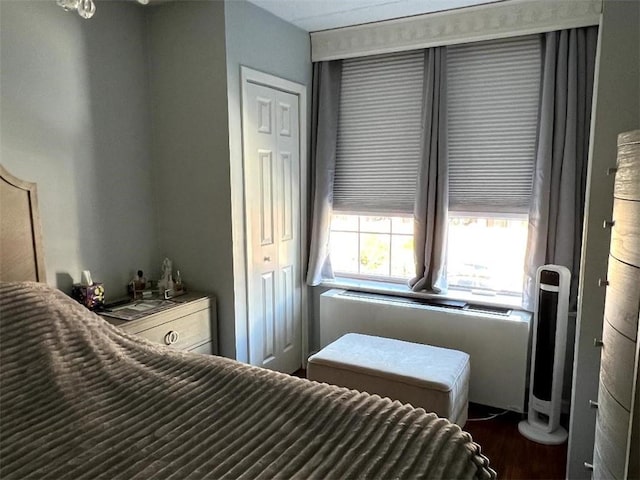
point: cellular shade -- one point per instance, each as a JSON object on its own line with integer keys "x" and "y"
{"x": 379, "y": 134}
{"x": 493, "y": 98}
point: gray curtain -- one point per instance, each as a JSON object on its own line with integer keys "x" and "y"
{"x": 432, "y": 194}
{"x": 325, "y": 103}
{"x": 557, "y": 206}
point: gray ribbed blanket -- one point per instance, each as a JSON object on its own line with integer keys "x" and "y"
{"x": 79, "y": 398}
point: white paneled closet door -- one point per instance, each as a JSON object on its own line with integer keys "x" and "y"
{"x": 272, "y": 193}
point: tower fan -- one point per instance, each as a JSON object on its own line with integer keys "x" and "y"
{"x": 547, "y": 356}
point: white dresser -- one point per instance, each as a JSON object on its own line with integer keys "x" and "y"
{"x": 189, "y": 325}
{"x": 617, "y": 446}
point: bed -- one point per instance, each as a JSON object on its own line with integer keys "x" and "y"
{"x": 80, "y": 398}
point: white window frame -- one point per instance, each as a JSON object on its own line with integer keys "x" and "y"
{"x": 495, "y": 216}
{"x": 372, "y": 278}
{"x": 390, "y": 284}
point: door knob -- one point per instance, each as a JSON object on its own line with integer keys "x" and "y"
{"x": 267, "y": 259}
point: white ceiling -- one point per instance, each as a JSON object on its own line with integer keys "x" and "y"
{"x": 314, "y": 15}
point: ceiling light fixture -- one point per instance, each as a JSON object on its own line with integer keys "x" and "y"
{"x": 85, "y": 8}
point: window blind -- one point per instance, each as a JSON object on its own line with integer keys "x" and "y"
{"x": 492, "y": 105}
{"x": 378, "y": 144}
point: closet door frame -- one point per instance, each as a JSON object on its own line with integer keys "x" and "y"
{"x": 250, "y": 75}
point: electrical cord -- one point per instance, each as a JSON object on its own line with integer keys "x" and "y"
{"x": 490, "y": 417}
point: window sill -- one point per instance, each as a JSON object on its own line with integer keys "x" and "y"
{"x": 402, "y": 290}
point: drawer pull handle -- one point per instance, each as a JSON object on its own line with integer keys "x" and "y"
{"x": 593, "y": 404}
{"x": 611, "y": 170}
{"x": 588, "y": 466}
{"x": 598, "y": 343}
{"x": 171, "y": 337}
{"x": 267, "y": 259}
{"x": 608, "y": 223}
{"x": 603, "y": 282}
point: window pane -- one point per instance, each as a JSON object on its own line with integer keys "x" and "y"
{"x": 344, "y": 252}
{"x": 402, "y": 225}
{"x": 375, "y": 224}
{"x": 402, "y": 263}
{"x": 486, "y": 253}
{"x": 374, "y": 254}
{"x": 344, "y": 222}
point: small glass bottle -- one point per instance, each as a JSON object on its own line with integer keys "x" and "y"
{"x": 178, "y": 282}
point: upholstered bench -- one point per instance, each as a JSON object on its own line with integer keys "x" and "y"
{"x": 434, "y": 378}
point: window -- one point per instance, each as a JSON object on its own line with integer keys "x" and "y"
{"x": 492, "y": 105}
{"x": 378, "y": 151}
{"x": 373, "y": 247}
{"x": 484, "y": 253}
{"x": 492, "y": 114}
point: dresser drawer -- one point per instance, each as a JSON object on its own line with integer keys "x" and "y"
{"x": 627, "y": 184}
{"x": 600, "y": 469}
{"x": 612, "y": 428}
{"x": 623, "y": 297}
{"x": 205, "y": 348}
{"x": 625, "y": 234}
{"x": 183, "y": 332}
{"x": 617, "y": 364}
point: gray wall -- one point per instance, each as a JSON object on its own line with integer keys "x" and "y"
{"x": 190, "y": 149}
{"x": 259, "y": 40}
{"x": 616, "y": 109}
{"x": 78, "y": 120}
{"x": 74, "y": 119}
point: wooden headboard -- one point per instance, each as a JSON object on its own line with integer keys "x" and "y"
{"x": 21, "y": 254}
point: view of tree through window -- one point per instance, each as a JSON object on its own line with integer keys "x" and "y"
{"x": 372, "y": 246}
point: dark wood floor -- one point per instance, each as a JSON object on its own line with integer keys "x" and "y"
{"x": 511, "y": 455}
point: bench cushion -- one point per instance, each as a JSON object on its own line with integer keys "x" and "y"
{"x": 434, "y": 378}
